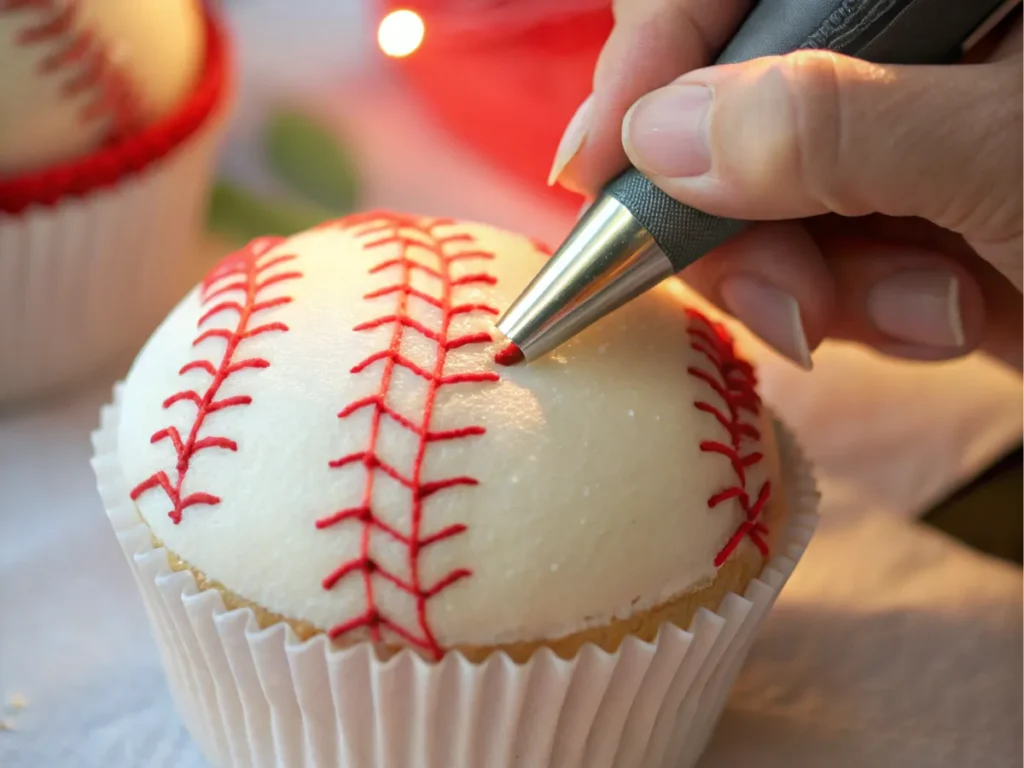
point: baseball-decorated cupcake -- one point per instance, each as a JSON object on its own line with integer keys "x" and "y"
{"x": 363, "y": 542}
{"x": 109, "y": 112}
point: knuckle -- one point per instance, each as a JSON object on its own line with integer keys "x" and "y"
{"x": 822, "y": 120}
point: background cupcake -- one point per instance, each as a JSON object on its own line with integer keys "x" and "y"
{"x": 487, "y": 565}
{"x": 107, "y": 130}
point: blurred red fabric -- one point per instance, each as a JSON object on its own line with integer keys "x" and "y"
{"x": 506, "y": 81}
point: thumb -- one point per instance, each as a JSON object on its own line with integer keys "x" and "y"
{"x": 814, "y": 132}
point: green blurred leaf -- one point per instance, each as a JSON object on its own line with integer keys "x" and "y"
{"x": 241, "y": 215}
{"x": 307, "y": 156}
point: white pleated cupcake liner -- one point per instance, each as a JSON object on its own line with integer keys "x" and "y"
{"x": 86, "y": 280}
{"x": 260, "y": 697}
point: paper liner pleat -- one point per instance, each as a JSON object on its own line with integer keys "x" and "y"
{"x": 260, "y": 697}
{"x": 84, "y": 281}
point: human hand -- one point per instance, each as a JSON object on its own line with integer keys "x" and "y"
{"x": 888, "y": 198}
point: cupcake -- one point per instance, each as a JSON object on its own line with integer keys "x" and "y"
{"x": 364, "y": 542}
{"x": 108, "y": 117}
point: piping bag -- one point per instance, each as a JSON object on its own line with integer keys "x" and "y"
{"x": 634, "y": 235}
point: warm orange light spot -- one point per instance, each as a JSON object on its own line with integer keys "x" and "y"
{"x": 400, "y": 33}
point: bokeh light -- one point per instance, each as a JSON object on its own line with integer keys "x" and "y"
{"x": 400, "y": 33}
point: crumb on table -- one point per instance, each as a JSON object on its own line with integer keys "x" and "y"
{"x": 15, "y": 703}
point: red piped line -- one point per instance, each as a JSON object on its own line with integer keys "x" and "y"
{"x": 244, "y": 270}
{"x": 411, "y": 236}
{"x": 541, "y": 246}
{"x": 81, "y": 61}
{"x": 732, "y": 380}
{"x": 510, "y": 355}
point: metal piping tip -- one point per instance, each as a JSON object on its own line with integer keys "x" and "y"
{"x": 608, "y": 259}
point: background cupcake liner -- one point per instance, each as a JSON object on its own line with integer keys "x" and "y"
{"x": 259, "y": 697}
{"x": 94, "y": 253}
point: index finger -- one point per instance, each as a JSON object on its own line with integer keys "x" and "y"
{"x": 652, "y": 43}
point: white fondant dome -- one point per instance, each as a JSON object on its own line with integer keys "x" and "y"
{"x": 321, "y": 428}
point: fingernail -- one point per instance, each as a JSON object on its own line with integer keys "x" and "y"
{"x": 572, "y": 140}
{"x": 770, "y": 313}
{"x": 667, "y": 131}
{"x": 920, "y": 307}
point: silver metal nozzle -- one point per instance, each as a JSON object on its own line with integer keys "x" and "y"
{"x": 608, "y": 259}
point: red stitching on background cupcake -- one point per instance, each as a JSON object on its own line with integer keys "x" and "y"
{"x": 83, "y": 62}
{"x": 143, "y": 128}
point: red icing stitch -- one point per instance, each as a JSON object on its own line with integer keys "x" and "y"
{"x": 733, "y": 381}
{"x": 233, "y": 287}
{"x": 82, "y": 62}
{"x": 509, "y": 355}
{"x": 541, "y": 247}
{"x": 413, "y": 236}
